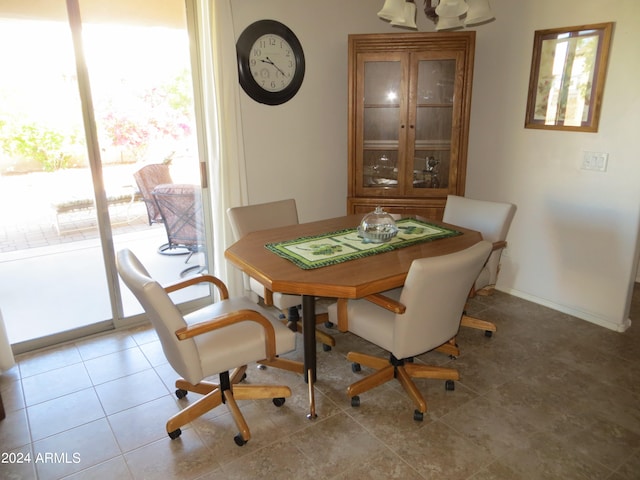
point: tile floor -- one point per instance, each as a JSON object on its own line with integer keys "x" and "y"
{"x": 55, "y": 270}
{"x": 548, "y": 397}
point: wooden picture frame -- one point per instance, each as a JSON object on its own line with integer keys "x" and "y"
{"x": 568, "y": 70}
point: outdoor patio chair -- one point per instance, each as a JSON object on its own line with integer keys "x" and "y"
{"x": 180, "y": 206}
{"x": 147, "y": 178}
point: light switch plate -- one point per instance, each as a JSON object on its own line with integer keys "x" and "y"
{"x": 595, "y": 161}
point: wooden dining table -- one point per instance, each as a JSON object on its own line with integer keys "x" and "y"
{"x": 348, "y": 280}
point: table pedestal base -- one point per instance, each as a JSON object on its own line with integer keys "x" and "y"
{"x": 309, "y": 343}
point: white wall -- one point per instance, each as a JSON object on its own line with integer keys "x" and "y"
{"x": 574, "y": 240}
{"x": 573, "y": 243}
{"x": 299, "y": 149}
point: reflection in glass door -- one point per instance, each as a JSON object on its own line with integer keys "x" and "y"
{"x": 142, "y": 94}
{"x": 382, "y": 114}
{"x": 433, "y": 124}
{"x": 51, "y": 246}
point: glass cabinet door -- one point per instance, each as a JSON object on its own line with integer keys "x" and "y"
{"x": 382, "y": 115}
{"x": 408, "y": 128}
{"x": 432, "y": 152}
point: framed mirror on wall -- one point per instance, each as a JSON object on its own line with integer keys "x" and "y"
{"x": 568, "y": 70}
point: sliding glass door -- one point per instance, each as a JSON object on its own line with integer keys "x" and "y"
{"x": 81, "y": 121}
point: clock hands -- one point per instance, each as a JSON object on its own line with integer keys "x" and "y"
{"x": 269, "y": 61}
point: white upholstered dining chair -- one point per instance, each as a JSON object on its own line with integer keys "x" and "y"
{"x": 218, "y": 338}
{"x": 251, "y": 218}
{"x": 425, "y": 314}
{"x": 492, "y": 220}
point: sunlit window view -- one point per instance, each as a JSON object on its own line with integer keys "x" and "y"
{"x": 141, "y": 95}
{"x": 141, "y": 86}
{"x": 565, "y": 80}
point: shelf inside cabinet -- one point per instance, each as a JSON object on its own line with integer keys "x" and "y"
{"x": 381, "y": 105}
{"x": 434, "y": 105}
{"x": 380, "y": 144}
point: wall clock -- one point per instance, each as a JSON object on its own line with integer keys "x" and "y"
{"x": 270, "y": 62}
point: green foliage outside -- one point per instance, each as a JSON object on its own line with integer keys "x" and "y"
{"x": 161, "y": 113}
{"x": 51, "y": 148}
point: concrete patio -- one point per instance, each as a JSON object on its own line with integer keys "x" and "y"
{"x": 43, "y": 270}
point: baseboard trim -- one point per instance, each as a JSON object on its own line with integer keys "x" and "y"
{"x": 589, "y": 317}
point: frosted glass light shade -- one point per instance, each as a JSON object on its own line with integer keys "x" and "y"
{"x": 451, "y": 8}
{"x": 479, "y": 11}
{"x": 392, "y": 9}
{"x": 408, "y": 19}
{"x": 448, "y": 23}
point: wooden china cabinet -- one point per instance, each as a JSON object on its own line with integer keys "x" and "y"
{"x": 409, "y": 105}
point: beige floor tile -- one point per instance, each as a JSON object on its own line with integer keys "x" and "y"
{"x": 437, "y": 451}
{"x": 55, "y": 383}
{"x": 153, "y": 353}
{"x": 629, "y": 469}
{"x": 488, "y": 425}
{"x": 130, "y": 391}
{"x": 14, "y": 431}
{"x": 185, "y": 458}
{"x": 12, "y": 395}
{"x": 384, "y": 466}
{"x": 63, "y": 413}
{"x": 336, "y": 443}
{"x": 74, "y": 450}
{"x": 143, "y": 424}
{"x": 281, "y": 459}
{"x": 105, "y": 344}
{"x": 547, "y": 397}
{"x": 549, "y": 458}
{"x": 116, "y": 365}
{"x": 114, "y": 469}
{"x": 18, "y": 463}
{"x": 47, "y": 360}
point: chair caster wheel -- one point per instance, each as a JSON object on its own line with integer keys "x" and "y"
{"x": 449, "y": 385}
{"x": 239, "y": 440}
{"x": 326, "y": 348}
{"x": 328, "y": 324}
{"x": 418, "y": 416}
{"x": 175, "y": 434}
{"x": 278, "y": 402}
{"x": 355, "y": 367}
{"x": 180, "y": 393}
{"x": 488, "y": 333}
{"x": 355, "y": 401}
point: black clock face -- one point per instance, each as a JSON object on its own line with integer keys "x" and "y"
{"x": 270, "y": 62}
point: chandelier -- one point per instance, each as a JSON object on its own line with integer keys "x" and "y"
{"x": 447, "y": 14}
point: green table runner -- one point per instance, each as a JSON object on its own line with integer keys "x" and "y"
{"x": 344, "y": 245}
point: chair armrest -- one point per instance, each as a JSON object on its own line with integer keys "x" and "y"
{"x": 386, "y": 303}
{"x": 268, "y": 297}
{"x": 343, "y": 318}
{"x": 222, "y": 288}
{"x": 230, "y": 319}
{"x": 499, "y": 245}
{"x": 377, "y": 298}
